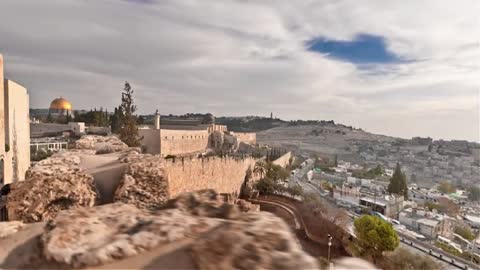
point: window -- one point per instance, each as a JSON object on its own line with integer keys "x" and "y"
{"x": 166, "y": 137}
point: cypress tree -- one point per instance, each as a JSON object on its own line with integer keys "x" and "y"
{"x": 398, "y": 182}
{"x": 128, "y": 127}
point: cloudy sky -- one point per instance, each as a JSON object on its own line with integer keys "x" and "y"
{"x": 402, "y": 68}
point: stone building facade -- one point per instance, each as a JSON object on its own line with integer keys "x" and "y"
{"x": 14, "y": 122}
{"x": 185, "y": 138}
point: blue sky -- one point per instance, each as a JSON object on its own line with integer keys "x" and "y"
{"x": 362, "y": 49}
{"x": 403, "y": 68}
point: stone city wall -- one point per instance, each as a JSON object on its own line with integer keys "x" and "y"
{"x": 150, "y": 140}
{"x": 213, "y": 127}
{"x": 39, "y": 129}
{"x": 245, "y": 137}
{"x": 225, "y": 175}
{"x": 283, "y": 160}
{"x": 178, "y": 142}
{"x": 17, "y": 135}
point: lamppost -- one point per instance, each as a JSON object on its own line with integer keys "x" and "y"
{"x": 329, "y": 245}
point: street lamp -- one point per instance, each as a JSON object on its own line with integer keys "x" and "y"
{"x": 329, "y": 245}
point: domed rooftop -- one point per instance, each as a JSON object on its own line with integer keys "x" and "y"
{"x": 61, "y": 104}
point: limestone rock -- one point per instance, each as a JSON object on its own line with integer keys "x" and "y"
{"x": 246, "y": 206}
{"x": 144, "y": 184}
{"x": 133, "y": 154}
{"x": 101, "y": 144}
{"x": 108, "y": 234}
{"x": 94, "y": 236}
{"x": 205, "y": 203}
{"x": 258, "y": 240}
{"x": 53, "y": 184}
{"x": 10, "y": 227}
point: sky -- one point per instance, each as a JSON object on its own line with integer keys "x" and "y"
{"x": 402, "y": 68}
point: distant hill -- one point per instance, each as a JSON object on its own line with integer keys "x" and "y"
{"x": 255, "y": 123}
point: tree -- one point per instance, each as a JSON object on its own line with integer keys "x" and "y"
{"x": 265, "y": 186}
{"x": 335, "y": 161}
{"x": 403, "y": 259}
{"x": 68, "y": 119}
{"x": 115, "y": 120}
{"x": 474, "y": 193}
{"x": 295, "y": 190}
{"x": 413, "y": 178}
{"x": 464, "y": 232}
{"x": 375, "y": 236}
{"x": 260, "y": 168}
{"x": 49, "y": 118}
{"x": 398, "y": 182}
{"x": 128, "y": 127}
{"x": 446, "y": 188}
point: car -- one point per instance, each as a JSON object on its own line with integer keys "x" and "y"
{"x": 394, "y": 221}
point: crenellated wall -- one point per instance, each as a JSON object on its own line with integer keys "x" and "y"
{"x": 225, "y": 175}
{"x": 179, "y": 142}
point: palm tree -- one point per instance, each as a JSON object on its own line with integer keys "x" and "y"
{"x": 260, "y": 168}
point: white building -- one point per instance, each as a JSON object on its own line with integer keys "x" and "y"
{"x": 14, "y": 121}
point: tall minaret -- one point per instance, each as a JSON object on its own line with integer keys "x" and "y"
{"x": 157, "y": 120}
{"x": 2, "y": 111}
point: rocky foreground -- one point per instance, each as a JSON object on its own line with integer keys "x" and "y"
{"x": 209, "y": 232}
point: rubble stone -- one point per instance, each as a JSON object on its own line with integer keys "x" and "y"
{"x": 144, "y": 183}
{"x": 52, "y": 185}
{"x": 94, "y": 236}
{"x": 10, "y": 227}
{"x": 101, "y": 144}
{"x": 257, "y": 240}
{"x": 86, "y": 237}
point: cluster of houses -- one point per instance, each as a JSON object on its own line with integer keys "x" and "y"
{"x": 412, "y": 214}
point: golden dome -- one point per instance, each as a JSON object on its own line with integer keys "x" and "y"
{"x": 61, "y": 104}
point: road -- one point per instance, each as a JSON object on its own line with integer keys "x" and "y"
{"x": 414, "y": 245}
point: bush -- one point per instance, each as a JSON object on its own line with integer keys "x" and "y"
{"x": 464, "y": 232}
{"x": 265, "y": 186}
{"x": 401, "y": 259}
{"x": 295, "y": 190}
{"x": 40, "y": 155}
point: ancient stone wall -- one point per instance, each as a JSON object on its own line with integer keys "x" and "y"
{"x": 40, "y": 129}
{"x": 225, "y": 175}
{"x": 150, "y": 140}
{"x": 178, "y": 142}
{"x": 17, "y": 135}
{"x": 213, "y": 127}
{"x": 283, "y": 160}
{"x": 245, "y": 137}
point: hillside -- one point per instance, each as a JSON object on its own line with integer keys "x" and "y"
{"x": 322, "y": 139}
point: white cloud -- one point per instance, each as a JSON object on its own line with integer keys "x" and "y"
{"x": 249, "y": 57}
